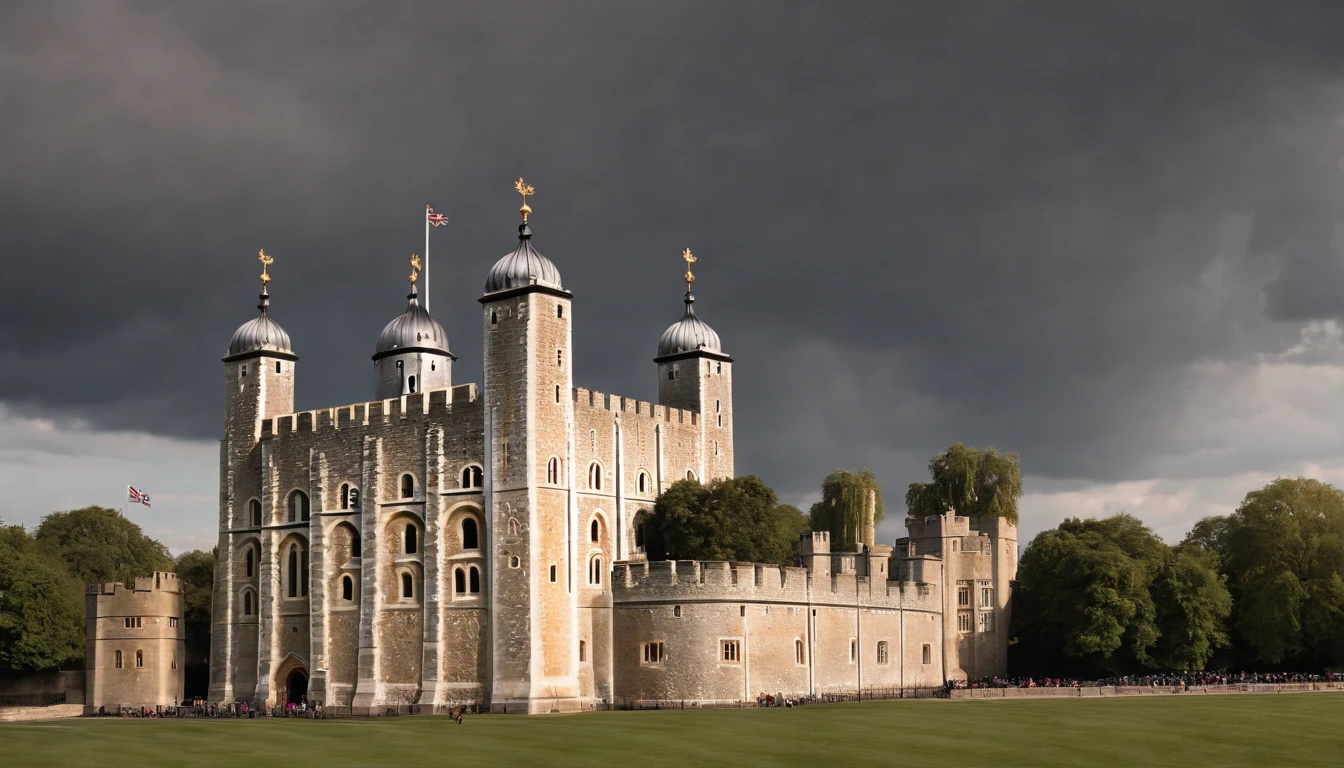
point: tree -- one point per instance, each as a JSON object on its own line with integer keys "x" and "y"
{"x": 99, "y": 545}
{"x": 1082, "y": 601}
{"x": 1283, "y": 553}
{"x": 843, "y": 509}
{"x": 41, "y": 608}
{"x": 736, "y": 518}
{"x": 196, "y": 575}
{"x": 1193, "y": 604}
{"x": 970, "y": 481}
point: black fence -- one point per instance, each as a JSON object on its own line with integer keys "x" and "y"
{"x": 32, "y": 699}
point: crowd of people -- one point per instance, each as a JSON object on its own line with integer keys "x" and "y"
{"x": 1162, "y": 680}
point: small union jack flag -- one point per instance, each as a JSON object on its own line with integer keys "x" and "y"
{"x": 136, "y": 497}
{"x": 437, "y": 219}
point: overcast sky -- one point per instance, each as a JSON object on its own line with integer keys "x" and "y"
{"x": 1105, "y": 236}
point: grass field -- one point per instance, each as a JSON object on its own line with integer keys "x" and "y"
{"x": 1264, "y": 730}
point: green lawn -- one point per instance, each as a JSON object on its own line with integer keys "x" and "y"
{"x": 1261, "y": 730}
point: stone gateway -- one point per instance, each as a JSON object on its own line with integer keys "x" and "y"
{"x": 448, "y": 544}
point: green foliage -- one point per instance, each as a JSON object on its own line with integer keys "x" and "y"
{"x": 41, "y": 608}
{"x": 971, "y": 481}
{"x": 736, "y": 518}
{"x": 99, "y": 545}
{"x": 843, "y": 505}
{"x": 1192, "y": 605}
{"x": 1108, "y": 597}
{"x": 1283, "y": 553}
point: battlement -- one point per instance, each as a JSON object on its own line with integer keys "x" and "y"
{"x": 952, "y": 525}
{"x": 161, "y": 581}
{"x": 710, "y": 581}
{"x": 436, "y": 403}
{"x": 630, "y": 407}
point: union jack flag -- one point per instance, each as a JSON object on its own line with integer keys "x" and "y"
{"x": 137, "y": 497}
{"x": 437, "y": 219}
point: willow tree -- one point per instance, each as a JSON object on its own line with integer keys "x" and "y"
{"x": 972, "y": 482}
{"x": 846, "y": 500}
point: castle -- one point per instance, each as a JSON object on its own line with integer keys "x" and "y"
{"x": 135, "y": 644}
{"x": 445, "y": 544}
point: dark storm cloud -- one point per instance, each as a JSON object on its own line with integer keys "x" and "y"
{"x": 990, "y": 222}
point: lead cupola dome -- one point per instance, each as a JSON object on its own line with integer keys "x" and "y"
{"x": 261, "y": 334}
{"x": 412, "y": 331}
{"x": 689, "y": 334}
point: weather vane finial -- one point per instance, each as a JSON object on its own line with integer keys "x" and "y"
{"x": 690, "y": 259}
{"x": 526, "y": 190}
{"x": 266, "y": 261}
{"x": 415, "y": 268}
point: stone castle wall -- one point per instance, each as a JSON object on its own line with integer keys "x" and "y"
{"x": 794, "y": 634}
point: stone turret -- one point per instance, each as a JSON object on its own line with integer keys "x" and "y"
{"x": 135, "y": 644}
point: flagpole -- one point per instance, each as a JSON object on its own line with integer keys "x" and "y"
{"x": 426, "y": 271}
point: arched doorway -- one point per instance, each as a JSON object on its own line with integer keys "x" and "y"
{"x": 297, "y": 686}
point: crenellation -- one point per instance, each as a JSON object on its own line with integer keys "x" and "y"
{"x": 305, "y": 422}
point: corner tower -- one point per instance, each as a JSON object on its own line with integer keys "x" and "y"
{"x": 412, "y": 351}
{"x": 695, "y": 374}
{"x": 530, "y": 523}
{"x": 258, "y": 385}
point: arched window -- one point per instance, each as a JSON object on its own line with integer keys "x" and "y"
{"x": 139, "y": 659}
{"x": 690, "y": 475}
{"x": 595, "y": 476}
{"x": 356, "y": 546}
{"x": 118, "y": 660}
{"x": 799, "y": 652}
{"x": 247, "y": 603}
{"x": 345, "y": 495}
{"x": 459, "y": 581}
{"x": 407, "y": 586}
{"x": 410, "y": 385}
{"x": 472, "y": 477}
{"x": 639, "y": 535}
{"x": 248, "y": 558}
{"x": 254, "y": 512}
{"x": 583, "y": 650}
{"x": 643, "y": 482}
{"x": 298, "y": 506}
{"x": 293, "y": 570}
{"x": 553, "y": 471}
{"x": 409, "y": 539}
{"x": 407, "y": 486}
{"x": 347, "y": 588}
{"x": 470, "y": 537}
{"x": 475, "y": 581}
{"x": 595, "y": 571}
{"x": 593, "y": 530}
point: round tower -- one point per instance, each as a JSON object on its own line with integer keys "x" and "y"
{"x": 412, "y": 351}
{"x": 695, "y": 374}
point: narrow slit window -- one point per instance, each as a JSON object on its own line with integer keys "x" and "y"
{"x": 411, "y": 536}
{"x": 407, "y": 586}
{"x": 118, "y": 660}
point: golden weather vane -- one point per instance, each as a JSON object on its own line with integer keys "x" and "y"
{"x": 266, "y": 261}
{"x": 526, "y": 190}
{"x": 690, "y": 259}
{"x": 415, "y": 267}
